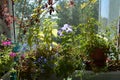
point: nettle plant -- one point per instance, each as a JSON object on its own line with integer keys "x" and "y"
{"x": 42, "y": 58}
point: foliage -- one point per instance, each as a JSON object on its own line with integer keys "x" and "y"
{"x": 88, "y": 3}
{"x": 69, "y": 58}
{"x": 89, "y": 37}
{"x": 51, "y": 57}
{"x": 48, "y": 52}
{"x": 42, "y": 58}
{"x": 94, "y": 44}
{"x": 76, "y": 14}
{"x": 5, "y": 59}
{"x": 63, "y": 10}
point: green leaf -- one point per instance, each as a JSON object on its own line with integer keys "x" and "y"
{"x": 41, "y": 36}
{"x": 54, "y": 32}
{"x": 30, "y": 38}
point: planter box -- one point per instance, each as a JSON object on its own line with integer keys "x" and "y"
{"x": 6, "y": 76}
{"x": 89, "y": 75}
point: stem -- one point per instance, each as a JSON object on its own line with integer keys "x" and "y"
{"x": 21, "y": 24}
{"x": 13, "y": 21}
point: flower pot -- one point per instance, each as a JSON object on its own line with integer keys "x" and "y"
{"x": 98, "y": 59}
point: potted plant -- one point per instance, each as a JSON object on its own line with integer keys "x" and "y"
{"x": 94, "y": 45}
{"x": 97, "y": 50}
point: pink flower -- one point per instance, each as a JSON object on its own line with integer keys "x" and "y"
{"x": 12, "y": 54}
{"x": 6, "y": 43}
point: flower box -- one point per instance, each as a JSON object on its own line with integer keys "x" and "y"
{"x": 89, "y": 75}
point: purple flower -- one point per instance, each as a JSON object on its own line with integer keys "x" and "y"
{"x": 42, "y": 60}
{"x": 67, "y": 28}
{"x": 45, "y": 60}
{"x": 12, "y": 54}
{"x": 60, "y": 32}
{"x": 39, "y": 59}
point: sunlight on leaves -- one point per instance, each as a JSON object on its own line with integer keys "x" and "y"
{"x": 41, "y": 35}
{"x": 93, "y": 1}
{"x": 54, "y": 32}
{"x": 85, "y": 4}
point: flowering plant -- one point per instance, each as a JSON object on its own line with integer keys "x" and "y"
{"x": 5, "y": 55}
{"x": 50, "y": 54}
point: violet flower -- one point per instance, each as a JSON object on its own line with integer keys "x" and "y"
{"x": 67, "y": 28}
{"x": 60, "y": 32}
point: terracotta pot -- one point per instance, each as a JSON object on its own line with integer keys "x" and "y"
{"x": 98, "y": 58}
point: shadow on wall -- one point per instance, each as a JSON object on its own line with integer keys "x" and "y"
{"x": 4, "y": 29}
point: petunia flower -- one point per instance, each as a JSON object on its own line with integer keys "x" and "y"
{"x": 12, "y": 54}
{"x": 6, "y": 43}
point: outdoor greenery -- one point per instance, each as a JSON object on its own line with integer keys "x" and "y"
{"x": 56, "y": 39}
